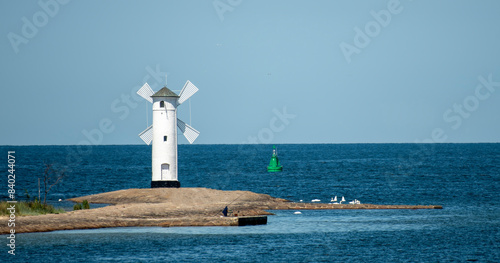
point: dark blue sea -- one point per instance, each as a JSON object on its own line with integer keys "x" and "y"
{"x": 463, "y": 178}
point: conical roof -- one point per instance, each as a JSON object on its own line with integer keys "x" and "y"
{"x": 165, "y": 92}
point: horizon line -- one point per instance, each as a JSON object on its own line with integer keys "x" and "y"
{"x": 24, "y": 145}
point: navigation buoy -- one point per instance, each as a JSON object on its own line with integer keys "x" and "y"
{"x": 274, "y": 164}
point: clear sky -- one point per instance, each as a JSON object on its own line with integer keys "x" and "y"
{"x": 268, "y": 71}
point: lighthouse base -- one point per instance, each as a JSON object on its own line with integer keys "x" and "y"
{"x": 165, "y": 184}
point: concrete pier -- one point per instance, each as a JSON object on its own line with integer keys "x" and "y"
{"x": 252, "y": 220}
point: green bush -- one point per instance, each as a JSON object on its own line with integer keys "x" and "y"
{"x": 77, "y": 206}
{"x": 85, "y": 204}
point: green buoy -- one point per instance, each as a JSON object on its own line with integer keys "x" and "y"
{"x": 274, "y": 164}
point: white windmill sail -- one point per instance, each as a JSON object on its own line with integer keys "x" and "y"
{"x": 146, "y": 92}
{"x": 189, "y": 132}
{"x": 187, "y": 91}
{"x": 147, "y": 135}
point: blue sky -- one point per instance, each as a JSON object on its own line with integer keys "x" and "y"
{"x": 268, "y": 71}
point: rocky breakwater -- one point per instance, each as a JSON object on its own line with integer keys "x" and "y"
{"x": 171, "y": 207}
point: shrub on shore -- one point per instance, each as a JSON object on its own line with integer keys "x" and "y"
{"x": 83, "y": 205}
{"x": 29, "y": 208}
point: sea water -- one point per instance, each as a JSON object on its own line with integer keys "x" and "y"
{"x": 463, "y": 178}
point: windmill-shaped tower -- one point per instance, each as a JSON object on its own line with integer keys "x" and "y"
{"x": 163, "y": 132}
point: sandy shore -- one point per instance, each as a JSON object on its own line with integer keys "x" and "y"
{"x": 171, "y": 207}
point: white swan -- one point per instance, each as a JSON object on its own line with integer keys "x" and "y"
{"x": 355, "y": 202}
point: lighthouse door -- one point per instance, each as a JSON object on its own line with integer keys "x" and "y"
{"x": 165, "y": 167}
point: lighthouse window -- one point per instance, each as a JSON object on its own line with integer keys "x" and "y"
{"x": 164, "y": 138}
{"x": 162, "y": 104}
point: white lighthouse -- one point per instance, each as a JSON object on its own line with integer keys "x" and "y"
{"x": 163, "y": 132}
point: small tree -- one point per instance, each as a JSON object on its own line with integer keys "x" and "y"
{"x": 51, "y": 177}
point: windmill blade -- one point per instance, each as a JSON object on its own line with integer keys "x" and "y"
{"x": 146, "y": 92}
{"x": 187, "y": 91}
{"x": 189, "y": 132}
{"x": 147, "y": 135}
